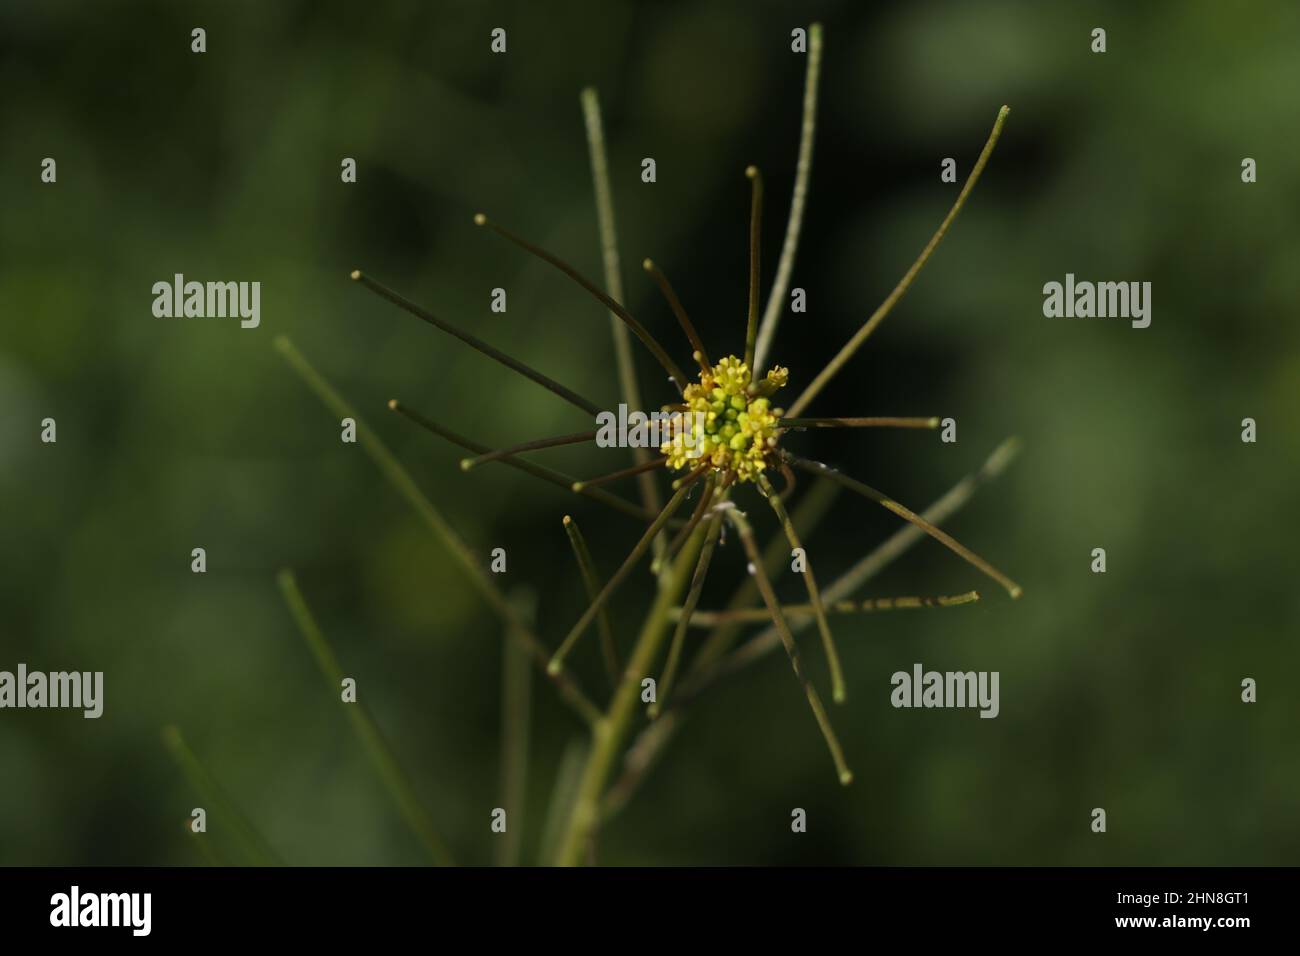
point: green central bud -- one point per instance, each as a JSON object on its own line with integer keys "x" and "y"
{"x": 739, "y": 425}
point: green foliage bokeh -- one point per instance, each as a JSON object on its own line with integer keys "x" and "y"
{"x": 1118, "y": 690}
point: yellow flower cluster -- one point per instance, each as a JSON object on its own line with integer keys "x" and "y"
{"x": 738, "y": 428}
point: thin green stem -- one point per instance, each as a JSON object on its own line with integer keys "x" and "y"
{"x": 680, "y": 538}
{"x": 858, "y": 423}
{"x": 838, "y": 691}
{"x": 746, "y": 535}
{"x": 893, "y": 547}
{"x": 381, "y": 755}
{"x": 640, "y": 330}
{"x": 556, "y": 665}
{"x": 907, "y": 514}
{"x": 648, "y": 465}
{"x": 405, "y": 485}
{"x": 754, "y": 615}
{"x": 610, "y": 734}
{"x": 808, "y": 514}
{"x": 590, "y": 578}
{"x": 684, "y": 621}
{"x": 223, "y": 809}
{"x": 776, "y": 299}
{"x": 516, "y": 726}
{"x": 755, "y": 237}
{"x": 700, "y": 353}
{"x": 905, "y": 283}
{"x": 640, "y": 759}
{"x": 629, "y": 388}
{"x": 537, "y": 444}
{"x": 563, "y": 794}
{"x": 691, "y": 477}
{"x": 557, "y": 478}
{"x": 570, "y": 396}
{"x": 710, "y": 665}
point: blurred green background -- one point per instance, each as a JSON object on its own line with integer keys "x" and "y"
{"x": 1118, "y": 690}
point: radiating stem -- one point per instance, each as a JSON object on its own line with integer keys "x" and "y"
{"x": 645, "y": 466}
{"x": 477, "y": 344}
{"x": 223, "y": 809}
{"x": 888, "y": 551}
{"x": 746, "y": 536}
{"x": 684, "y": 621}
{"x": 390, "y": 772}
{"x": 609, "y": 258}
{"x": 537, "y": 444}
{"x": 754, "y": 615}
{"x": 610, "y": 734}
{"x": 700, "y": 354}
{"x": 680, "y": 538}
{"x": 776, "y": 299}
{"x": 838, "y": 692}
{"x": 710, "y": 666}
{"x": 787, "y": 475}
{"x": 405, "y": 485}
{"x": 640, "y": 330}
{"x": 691, "y": 477}
{"x": 639, "y": 760}
{"x": 556, "y": 665}
{"x": 907, "y": 514}
{"x": 755, "y": 235}
{"x": 563, "y": 793}
{"x": 858, "y": 423}
{"x": 557, "y": 478}
{"x": 905, "y": 283}
{"x": 516, "y": 726}
{"x": 587, "y": 568}
{"x": 808, "y": 514}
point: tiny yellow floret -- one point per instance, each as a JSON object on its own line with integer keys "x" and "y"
{"x": 726, "y": 423}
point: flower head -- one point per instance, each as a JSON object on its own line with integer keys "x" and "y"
{"x": 725, "y": 422}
